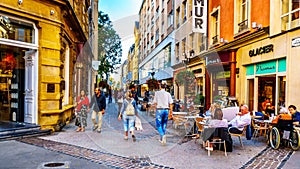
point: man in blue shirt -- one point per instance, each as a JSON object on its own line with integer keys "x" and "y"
{"x": 295, "y": 114}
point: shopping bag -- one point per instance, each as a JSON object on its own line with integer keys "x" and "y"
{"x": 138, "y": 124}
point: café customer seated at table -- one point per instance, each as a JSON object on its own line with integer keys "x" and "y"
{"x": 217, "y": 127}
{"x": 241, "y": 120}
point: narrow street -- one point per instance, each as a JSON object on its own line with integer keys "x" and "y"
{"x": 108, "y": 149}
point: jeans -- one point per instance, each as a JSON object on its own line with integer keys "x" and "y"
{"x": 161, "y": 121}
{"x": 128, "y": 122}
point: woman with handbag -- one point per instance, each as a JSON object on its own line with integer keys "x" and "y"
{"x": 81, "y": 111}
{"x": 128, "y": 113}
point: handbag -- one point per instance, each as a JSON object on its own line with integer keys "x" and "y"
{"x": 77, "y": 121}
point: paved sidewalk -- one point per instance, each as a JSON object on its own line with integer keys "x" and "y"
{"x": 108, "y": 149}
{"x": 176, "y": 153}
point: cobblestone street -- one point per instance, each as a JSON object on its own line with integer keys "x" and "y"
{"x": 108, "y": 148}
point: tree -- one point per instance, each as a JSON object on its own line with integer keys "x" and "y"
{"x": 109, "y": 46}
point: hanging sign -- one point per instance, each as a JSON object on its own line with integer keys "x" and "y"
{"x": 199, "y": 16}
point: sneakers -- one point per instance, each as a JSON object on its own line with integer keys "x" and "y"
{"x": 133, "y": 138}
{"x": 98, "y": 131}
{"x": 95, "y": 127}
{"x": 126, "y": 138}
{"x": 163, "y": 141}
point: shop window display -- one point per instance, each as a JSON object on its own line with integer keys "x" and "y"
{"x": 11, "y": 92}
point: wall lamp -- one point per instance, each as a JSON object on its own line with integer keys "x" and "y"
{"x": 256, "y": 26}
{"x": 187, "y": 58}
{"x": 222, "y": 40}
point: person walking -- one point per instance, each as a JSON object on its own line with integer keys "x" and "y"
{"x": 128, "y": 113}
{"x": 99, "y": 102}
{"x": 82, "y": 108}
{"x": 163, "y": 103}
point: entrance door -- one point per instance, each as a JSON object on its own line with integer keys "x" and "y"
{"x": 29, "y": 110}
{"x": 251, "y": 94}
{"x": 266, "y": 90}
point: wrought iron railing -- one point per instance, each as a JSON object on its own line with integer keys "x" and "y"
{"x": 243, "y": 25}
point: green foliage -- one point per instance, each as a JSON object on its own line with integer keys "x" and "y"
{"x": 152, "y": 84}
{"x": 199, "y": 99}
{"x": 185, "y": 76}
{"x": 109, "y": 46}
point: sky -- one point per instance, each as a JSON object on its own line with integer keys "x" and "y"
{"x": 123, "y": 14}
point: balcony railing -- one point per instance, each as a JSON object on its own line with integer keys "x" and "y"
{"x": 243, "y": 25}
{"x": 215, "y": 39}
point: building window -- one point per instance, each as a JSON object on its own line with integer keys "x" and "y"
{"x": 152, "y": 41}
{"x": 243, "y": 6}
{"x": 13, "y": 29}
{"x": 290, "y": 14}
{"x": 157, "y": 35}
{"x": 162, "y": 4}
{"x": 178, "y": 17}
{"x": 191, "y": 41}
{"x": 215, "y": 26}
{"x": 184, "y": 11}
{"x": 162, "y": 28}
{"x": 183, "y": 46}
{"x": 201, "y": 40}
{"x": 157, "y": 14}
{"x": 170, "y": 19}
{"x": 177, "y": 52}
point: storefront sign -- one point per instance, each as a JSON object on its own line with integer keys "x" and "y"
{"x": 222, "y": 75}
{"x": 212, "y": 61}
{"x": 266, "y": 67}
{"x": 261, "y": 50}
{"x": 296, "y": 42}
{"x": 199, "y": 16}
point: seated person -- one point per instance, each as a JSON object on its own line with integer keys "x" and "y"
{"x": 241, "y": 120}
{"x": 267, "y": 109}
{"x": 295, "y": 114}
{"x": 211, "y": 110}
{"x": 217, "y": 127}
{"x": 217, "y": 120}
{"x": 284, "y": 122}
{"x": 283, "y": 114}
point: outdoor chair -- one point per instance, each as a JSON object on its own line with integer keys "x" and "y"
{"x": 259, "y": 127}
{"x": 240, "y": 135}
{"x": 218, "y": 139}
{"x": 179, "y": 120}
{"x": 200, "y": 126}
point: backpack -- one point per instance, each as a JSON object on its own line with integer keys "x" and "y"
{"x": 130, "y": 109}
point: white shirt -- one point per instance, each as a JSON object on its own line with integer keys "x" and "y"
{"x": 241, "y": 121}
{"x": 163, "y": 99}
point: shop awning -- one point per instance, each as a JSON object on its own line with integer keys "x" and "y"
{"x": 162, "y": 74}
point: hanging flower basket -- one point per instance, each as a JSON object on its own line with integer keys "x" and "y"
{"x": 152, "y": 84}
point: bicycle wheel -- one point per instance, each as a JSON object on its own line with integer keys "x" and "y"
{"x": 294, "y": 139}
{"x": 274, "y": 138}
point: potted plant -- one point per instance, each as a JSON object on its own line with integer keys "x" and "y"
{"x": 152, "y": 84}
{"x": 199, "y": 99}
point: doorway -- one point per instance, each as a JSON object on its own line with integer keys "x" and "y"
{"x": 266, "y": 90}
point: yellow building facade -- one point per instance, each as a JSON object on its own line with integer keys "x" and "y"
{"x": 41, "y": 40}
